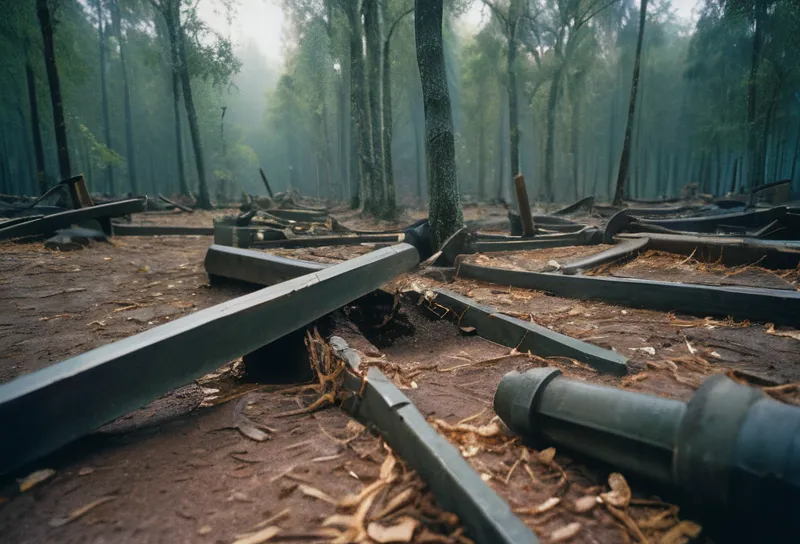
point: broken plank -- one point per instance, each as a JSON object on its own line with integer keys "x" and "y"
{"x": 454, "y": 483}
{"x": 49, "y": 408}
{"x": 752, "y": 303}
{"x": 586, "y": 236}
{"x": 254, "y": 267}
{"x": 622, "y": 251}
{"x": 525, "y": 336}
{"x": 51, "y": 223}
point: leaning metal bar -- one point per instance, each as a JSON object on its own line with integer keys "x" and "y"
{"x": 45, "y": 410}
{"x": 161, "y": 230}
{"x": 754, "y": 303}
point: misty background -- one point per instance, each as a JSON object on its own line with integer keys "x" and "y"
{"x": 718, "y": 102}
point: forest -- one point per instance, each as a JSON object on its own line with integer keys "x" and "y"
{"x": 144, "y": 97}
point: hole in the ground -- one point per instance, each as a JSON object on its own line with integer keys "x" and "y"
{"x": 285, "y": 360}
{"x": 370, "y": 313}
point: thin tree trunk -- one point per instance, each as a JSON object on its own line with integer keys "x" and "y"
{"x": 386, "y": 114}
{"x": 575, "y": 136}
{"x": 372, "y": 31}
{"x": 624, "y": 161}
{"x": 358, "y": 102}
{"x": 482, "y": 156}
{"x": 203, "y": 199}
{"x": 109, "y": 170}
{"x": 130, "y": 151}
{"x": 36, "y": 130}
{"x": 752, "y": 97}
{"x": 176, "y": 97}
{"x": 59, "y": 123}
{"x": 549, "y": 153}
{"x": 513, "y": 126}
{"x": 444, "y": 204}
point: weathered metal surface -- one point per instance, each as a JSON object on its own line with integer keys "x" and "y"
{"x": 47, "y": 409}
{"x": 728, "y": 446}
{"x": 585, "y": 236}
{"x": 160, "y": 230}
{"x": 621, "y": 251}
{"x": 51, "y": 223}
{"x": 728, "y": 250}
{"x": 255, "y": 267}
{"x": 298, "y": 215}
{"x": 323, "y": 241}
{"x": 524, "y": 336}
{"x": 711, "y": 223}
{"x": 486, "y": 517}
{"x": 753, "y": 303}
{"x": 630, "y": 431}
{"x": 231, "y": 235}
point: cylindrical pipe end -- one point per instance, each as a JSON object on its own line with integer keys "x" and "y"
{"x": 517, "y": 395}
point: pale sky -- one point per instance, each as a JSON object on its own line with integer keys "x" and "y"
{"x": 263, "y": 22}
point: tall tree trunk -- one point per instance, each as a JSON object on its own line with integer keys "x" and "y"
{"x": 624, "y": 161}
{"x": 419, "y": 148}
{"x": 753, "y": 173}
{"x": 358, "y": 103}
{"x": 109, "y": 170}
{"x": 513, "y": 120}
{"x": 575, "y": 132}
{"x": 549, "y": 153}
{"x": 36, "y": 130}
{"x": 203, "y": 199}
{"x": 171, "y": 24}
{"x": 344, "y": 156}
{"x": 482, "y": 155}
{"x": 372, "y": 31}
{"x": 130, "y": 151}
{"x": 60, "y": 124}
{"x": 444, "y": 204}
{"x": 386, "y": 114}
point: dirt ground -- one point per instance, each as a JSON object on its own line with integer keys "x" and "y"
{"x": 180, "y": 471}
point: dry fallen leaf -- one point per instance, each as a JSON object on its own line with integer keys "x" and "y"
{"x": 400, "y": 532}
{"x": 264, "y": 535}
{"x": 540, "y": 508}
{"x": 585, "y": 504}
{"x": 79, "y": 512}
{"x": 204, "y": 530}
{"x": 620, "y": 494}
{"x": 396, "y": 502}
{"x": 35, "y": 478}
{"x": 85, "y": 471}
{"x": 563, "y": 534}
{"x": 546, "y": 457}
{"x": 317, "y": 494}
{"x": 682, "y": 531}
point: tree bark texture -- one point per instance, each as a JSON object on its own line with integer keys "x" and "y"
{"x": 753, "y": 170}
{"x": 130, "y": 152}
{"x": 372, "y": 31}
{"x": 38, "y": 149}
{"x": 444, "y": 205}
{"x": 59, "y": 122}
{"x": 101, "y": 32}
{"x": 625, "y": 158}
{"x": 171, "y": 24}
{"x": 358, "y": 105}
{"x": 203, "y": 199}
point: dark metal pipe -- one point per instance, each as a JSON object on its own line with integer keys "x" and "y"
{"x": 731, "y": 450}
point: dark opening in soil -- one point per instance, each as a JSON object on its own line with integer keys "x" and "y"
{"x": 372, "y": 314}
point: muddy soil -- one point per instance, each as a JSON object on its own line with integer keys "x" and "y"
{"x": 177, "y": 472}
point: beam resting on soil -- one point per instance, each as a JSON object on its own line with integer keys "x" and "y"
{"x": 255, "y": 267}
{"x": 456, "y": 485}
{"x": 622, "y": 251}
{"x": 729, "y": 250}
{"x": 753, "y": 303}
{"x": 51, "y": 223}
{"x": 515, "y": 333}
{"x": 161, "y": 230}
{"x": 47, "y": 409}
